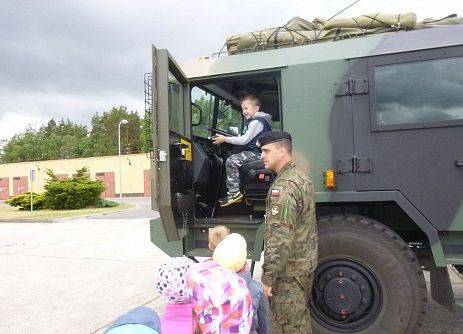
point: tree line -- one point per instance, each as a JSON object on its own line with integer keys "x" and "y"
{"x": 67, "y": 140}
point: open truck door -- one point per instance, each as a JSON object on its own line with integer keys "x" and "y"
{"x": 172, "y": 161}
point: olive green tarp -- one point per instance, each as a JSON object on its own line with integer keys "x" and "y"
{"x": 300, "y": 32}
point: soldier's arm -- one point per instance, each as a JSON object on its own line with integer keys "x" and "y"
{"x": 281, "y": 216}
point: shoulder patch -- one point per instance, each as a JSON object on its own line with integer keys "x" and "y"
{"x": 275, "y": 192}
{"x": 275, "y": 210}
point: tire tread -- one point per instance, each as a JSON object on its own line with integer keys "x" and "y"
{"x": 363, "y": 223}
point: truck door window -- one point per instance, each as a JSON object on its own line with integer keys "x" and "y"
{"x": 428, "y": 91}
{"x": 176, "y": 121}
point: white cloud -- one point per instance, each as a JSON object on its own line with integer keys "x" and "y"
{"x": 35, "y": 109}
{"x": 68, "y": 59}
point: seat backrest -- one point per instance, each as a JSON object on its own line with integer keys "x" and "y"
{"x": 250, "y": 169}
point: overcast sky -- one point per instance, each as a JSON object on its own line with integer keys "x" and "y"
{"x": 69, "y": 59}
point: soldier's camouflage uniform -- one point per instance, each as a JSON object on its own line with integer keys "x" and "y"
{"x": 291, "y": 252}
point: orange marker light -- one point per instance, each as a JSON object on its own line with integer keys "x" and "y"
{"x": 330, "y": 181}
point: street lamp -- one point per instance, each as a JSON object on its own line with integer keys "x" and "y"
{"x": 124, "y": 121}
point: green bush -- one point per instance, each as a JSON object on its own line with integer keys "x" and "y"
{"x": 74, "y": 193}
{"x": 23, "y": 201}
{"x": 103, "y": 203}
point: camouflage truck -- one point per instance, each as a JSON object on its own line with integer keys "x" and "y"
{"x": 377, "y": 122}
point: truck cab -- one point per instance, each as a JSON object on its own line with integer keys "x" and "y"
{"x": 376, "y": 123}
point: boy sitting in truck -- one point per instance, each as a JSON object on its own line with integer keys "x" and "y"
{"x": 256, "y": 123}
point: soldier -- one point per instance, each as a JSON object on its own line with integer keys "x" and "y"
{"x": 290, "y": 256}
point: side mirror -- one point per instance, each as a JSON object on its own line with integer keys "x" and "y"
{"x": 196, "y": 114}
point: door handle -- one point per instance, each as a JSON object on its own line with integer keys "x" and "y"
{"x": 459, "y": 163}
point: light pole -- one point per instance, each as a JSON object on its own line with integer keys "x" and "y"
{"x": 124, "y": 121}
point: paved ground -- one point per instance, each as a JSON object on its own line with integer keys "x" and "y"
{"x": 78, "y": 276}
{"x": 142, "y": 209}
{"x": 74, "y": 277}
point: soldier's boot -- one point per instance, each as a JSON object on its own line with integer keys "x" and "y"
{"x": 231, "y": 198}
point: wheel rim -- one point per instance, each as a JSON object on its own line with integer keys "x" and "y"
{"x": 346, "y": 296}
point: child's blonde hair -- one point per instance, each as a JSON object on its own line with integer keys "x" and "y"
{"x": 216, "y": 235}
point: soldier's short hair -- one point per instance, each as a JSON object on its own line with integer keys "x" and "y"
{"x": 251, "y": 97}
{"x": 287, "y": 144}
{"x": 217, "y": 234}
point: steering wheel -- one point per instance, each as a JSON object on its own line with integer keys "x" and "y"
{"x": 220, "y": 132}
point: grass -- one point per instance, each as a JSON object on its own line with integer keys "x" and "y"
{"x": 8, "y": 212}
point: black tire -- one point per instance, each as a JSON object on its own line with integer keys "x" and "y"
{"x": 370, "y": 258}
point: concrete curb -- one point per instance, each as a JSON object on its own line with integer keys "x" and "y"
{"x": 61, "y": 219}
{"x": 25, "y": 220}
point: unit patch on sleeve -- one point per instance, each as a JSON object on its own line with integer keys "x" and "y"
{"x": 275, "y": 192}
{"x": 275, "y": 210}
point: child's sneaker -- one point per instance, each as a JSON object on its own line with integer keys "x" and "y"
{"x": 231, "y": 198}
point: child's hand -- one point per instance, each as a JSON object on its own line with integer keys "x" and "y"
{"x": 267, "y": 290}
{"x": 219, "y": 139}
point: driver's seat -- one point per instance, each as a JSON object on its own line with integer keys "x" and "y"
{"x": 255, "y": 181}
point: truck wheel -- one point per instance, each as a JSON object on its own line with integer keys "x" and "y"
{"x": 367, "y": 279}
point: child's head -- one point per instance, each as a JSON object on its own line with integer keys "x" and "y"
{"x": 231, "y": 252}
{"x": 216, "y": 235}
{"x": 170, "y": 281}
{"x": 250, "y": 104}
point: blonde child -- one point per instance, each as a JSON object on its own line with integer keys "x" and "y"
{"x": 221, "y": 300}
{"x": 216, "y": 235}
{"x": 231, "y": 253}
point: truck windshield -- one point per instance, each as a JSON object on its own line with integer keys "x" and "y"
{"x": 203, "y": 109}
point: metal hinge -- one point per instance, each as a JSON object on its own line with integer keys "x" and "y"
{"x": 361, "y": 165}
{"x": 354, "y": 165}
{"x": 351, "y": 87}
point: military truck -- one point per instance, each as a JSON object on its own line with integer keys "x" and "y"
{"x": 377, "y": 122}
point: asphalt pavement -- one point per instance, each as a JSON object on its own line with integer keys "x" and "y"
{"x": 75, "y": 276}
{"x": 141, "y": 210}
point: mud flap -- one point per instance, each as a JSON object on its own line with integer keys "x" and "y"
{"x": 441, "y": 287}
{"x": 159, "y": 238}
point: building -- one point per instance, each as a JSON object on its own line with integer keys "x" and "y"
{"x": 15, "y": 177}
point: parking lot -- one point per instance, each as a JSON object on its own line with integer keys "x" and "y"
{"x": 79, "y": 275}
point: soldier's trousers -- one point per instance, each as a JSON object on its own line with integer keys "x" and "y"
{"x": 233, "y": 163}
{"x": 289, "y": 304}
